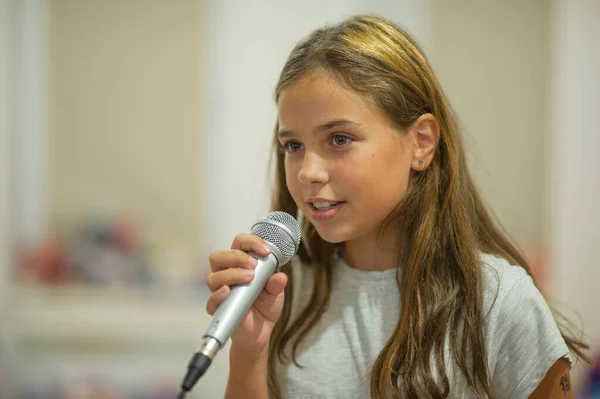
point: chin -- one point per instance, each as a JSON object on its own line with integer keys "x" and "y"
{"x": 332, "y": 235}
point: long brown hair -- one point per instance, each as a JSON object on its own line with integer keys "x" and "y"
{"x": 445, "y": 225}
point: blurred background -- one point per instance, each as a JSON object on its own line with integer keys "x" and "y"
{"x": 134, "y": 139}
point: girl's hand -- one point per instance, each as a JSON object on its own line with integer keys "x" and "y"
{"x": 236, "y": 266}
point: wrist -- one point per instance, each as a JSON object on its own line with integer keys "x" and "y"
{"x": 244, "y": 356}
{"x": 247, "y": 374}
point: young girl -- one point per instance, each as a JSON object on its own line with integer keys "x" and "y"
{"x": 404, "y": 286}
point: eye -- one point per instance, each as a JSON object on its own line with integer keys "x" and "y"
{"x": 292, "y": 146}
{"x": 339, "y": 140}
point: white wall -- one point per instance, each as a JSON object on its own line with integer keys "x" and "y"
{"x": 6, "y": 71}
{"x": 29, "y": 57}
{"x": 491, "y": 59}
{"x": 245, "y": 50}
{"x": 124, "y": 115}
{"x": 574, "y": 170}
{"x": 5, "y": 90}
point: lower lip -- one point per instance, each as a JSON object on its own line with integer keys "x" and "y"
{"x": 323, "y": 216}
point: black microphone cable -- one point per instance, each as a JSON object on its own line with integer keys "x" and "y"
{"x": 197, "y": 366}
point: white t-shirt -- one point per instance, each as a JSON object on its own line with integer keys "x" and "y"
{"x": 521, "y": 337}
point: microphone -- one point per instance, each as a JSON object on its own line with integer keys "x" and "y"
{"x": 282, "y": 233}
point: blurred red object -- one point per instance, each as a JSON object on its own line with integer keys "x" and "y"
{"x": 125, "y": 234}
{"x": 44, "y": 262}
{"x": 538, "y": 263}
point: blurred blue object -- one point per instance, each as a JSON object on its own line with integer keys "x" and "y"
{"x": 591, "y": 390}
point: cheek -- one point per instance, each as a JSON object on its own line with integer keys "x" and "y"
{"x": 380, "y": 183}
{"x": 291, "y": 178}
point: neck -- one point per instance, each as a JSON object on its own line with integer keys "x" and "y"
{"x": 370, "y": 253}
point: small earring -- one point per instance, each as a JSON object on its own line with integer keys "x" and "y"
{"x": 420, "y": 162}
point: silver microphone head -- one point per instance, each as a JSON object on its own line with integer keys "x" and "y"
{"x": 282, "y": 231}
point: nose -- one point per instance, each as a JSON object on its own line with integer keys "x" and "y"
{"x": 313, "y": 170}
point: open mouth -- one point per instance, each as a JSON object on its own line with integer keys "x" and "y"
{"x": 325, "y": 205}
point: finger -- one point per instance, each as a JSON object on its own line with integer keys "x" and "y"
{"x": 232, "y": 276}
{"x": 276, "y": 284}
{"x": 216, "y": 298}
{"x": 250, "y": 242}
{"x": 221, "y": 260}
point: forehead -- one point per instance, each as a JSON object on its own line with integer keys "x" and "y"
{"x": 317, "y": 98}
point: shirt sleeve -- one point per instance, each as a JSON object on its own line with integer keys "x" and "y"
{"x": 528, "y": 339}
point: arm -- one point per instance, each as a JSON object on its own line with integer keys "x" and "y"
{"x": 556, "y": 384}
{"x": 247, "y": 379}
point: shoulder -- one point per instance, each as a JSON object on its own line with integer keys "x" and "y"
{"x": 499, "y": 274}
{"x": 501, "y": 280}
{"x": 510, "y": 295}
{"x": 522, "y": 337}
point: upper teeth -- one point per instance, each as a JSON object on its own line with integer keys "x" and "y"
{"x": 324, "y": 205}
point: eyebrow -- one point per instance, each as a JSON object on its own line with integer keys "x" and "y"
{"x": 323, "y": 128}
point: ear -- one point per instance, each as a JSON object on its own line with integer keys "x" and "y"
{"x": 425, "y": 133}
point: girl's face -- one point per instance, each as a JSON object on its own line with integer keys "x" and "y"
{"x": 347, "y": 166}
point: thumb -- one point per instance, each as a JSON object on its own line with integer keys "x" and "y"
{"x": 276, "y": 284}
{"x": 270, "y": 301}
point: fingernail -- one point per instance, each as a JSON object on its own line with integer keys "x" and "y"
{"x": 268, "y": 248}
{"x": 252, "y": 261}
{"x": 249, "y": 273}
{"x": 223, "y": 289}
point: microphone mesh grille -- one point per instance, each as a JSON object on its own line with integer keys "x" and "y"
{"x": 272, "y": 233}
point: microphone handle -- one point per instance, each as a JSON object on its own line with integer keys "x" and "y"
{"x": 231, "y": 311}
